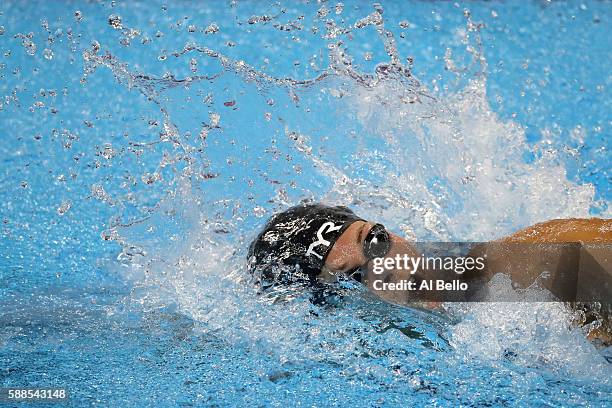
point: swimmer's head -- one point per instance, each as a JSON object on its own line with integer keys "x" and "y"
{"x": 306, "y": 240}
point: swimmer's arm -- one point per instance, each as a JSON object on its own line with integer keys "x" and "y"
{"x": 525, "y": 263}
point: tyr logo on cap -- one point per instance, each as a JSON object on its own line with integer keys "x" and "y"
{"x": 324, "y": 229}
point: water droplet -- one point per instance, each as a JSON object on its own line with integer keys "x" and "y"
{"x": 108, "y": 235}
{"x": 29, "y": 46}
{"x": 115, "y": 21}
{"x": 259, "y": 212}
{"x": 64, "y": 207}
{"x": 404, "y": 24}
{"x": 2, "y": 30}
{"x": 211, "y": 29}
{"x": 150, "y": 178}
{"x": 203, "y": 133}
{"x": 430, "y": 219}
{"x": 48, "y": 54}
{"x": 192, "y": 28}
{"x": 257, "y": 19}
{"x": 78, "y": 15}
{"x": 214, "y": 119}
{"x": 108, "y": 152}
{"x": 97, "y": 191}
{"x": 323, "y": 12}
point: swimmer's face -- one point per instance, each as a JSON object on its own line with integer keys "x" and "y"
{"x": 347, "y": 254}
{"x": 348, "y": 250}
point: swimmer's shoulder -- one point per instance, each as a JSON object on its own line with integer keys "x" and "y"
{"x": 585, "y": 230}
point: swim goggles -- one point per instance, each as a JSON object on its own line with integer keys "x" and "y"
{"x": 376, "y": 244}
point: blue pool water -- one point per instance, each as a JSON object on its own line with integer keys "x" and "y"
{"x": 143, "y": 144}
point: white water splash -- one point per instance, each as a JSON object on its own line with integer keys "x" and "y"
{"x": 528, "y": 333}
{"x": 455, "y": 170}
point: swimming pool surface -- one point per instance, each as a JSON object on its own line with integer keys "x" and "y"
{"x": 144, "y": 143}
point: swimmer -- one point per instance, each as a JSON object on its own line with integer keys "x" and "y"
{"x": 316, "y": 244}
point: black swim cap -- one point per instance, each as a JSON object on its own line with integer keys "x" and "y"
{"x": 301, "y": 236}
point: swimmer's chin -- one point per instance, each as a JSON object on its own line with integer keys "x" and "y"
{"x": 432, "y": 305}
{"x": 429, "y": 306}
{"x": 328, "y": 276}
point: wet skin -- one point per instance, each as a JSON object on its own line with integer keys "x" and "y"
{"x": 347, "y": 252}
